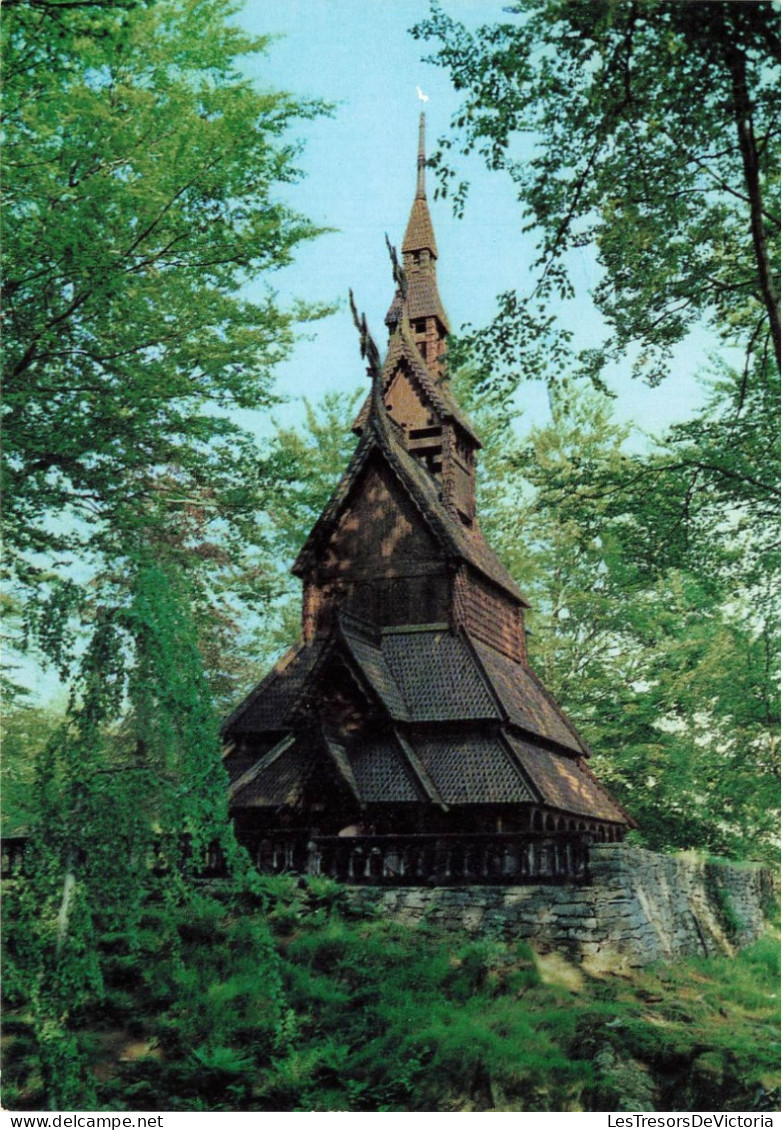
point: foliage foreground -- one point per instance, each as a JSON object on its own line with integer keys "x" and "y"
{"x": 378, "y": 1017}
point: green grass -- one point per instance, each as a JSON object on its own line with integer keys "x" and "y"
{"x": 359, "y": 1014}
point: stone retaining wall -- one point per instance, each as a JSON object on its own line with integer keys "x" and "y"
{"x": 640, "y": 907}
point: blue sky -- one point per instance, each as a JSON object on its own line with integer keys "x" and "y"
{"x": 360, "y": 168}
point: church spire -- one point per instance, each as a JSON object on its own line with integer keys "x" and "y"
{"x": 421, "y": 163}
{"x": 414, "y": 384}
{"x": 421, "y": 304}
{"x": 419, "y": 235}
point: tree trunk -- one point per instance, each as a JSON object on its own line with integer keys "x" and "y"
{"x": 64, "y": 913}
{"x": 743, "y": 116}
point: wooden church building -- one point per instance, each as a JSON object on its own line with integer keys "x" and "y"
{"x": 405, "y": 738}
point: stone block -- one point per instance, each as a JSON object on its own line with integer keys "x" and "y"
{"x": 639, "y": 906}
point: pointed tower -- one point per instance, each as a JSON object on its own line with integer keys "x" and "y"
{"x": 416, "y": 385}
{"x": 423, "y": 307}
{"x": 405, "y": 735}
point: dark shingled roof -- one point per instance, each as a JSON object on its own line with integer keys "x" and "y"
{"x": 434, "y": 675}
{"x": 421, "y": 773}
{"x": 276, "y": 779}
{"x": 339, "y": 756}
{"x": 383, "y": 774}
{"x": 279, "y": 777}
{"x": 373, "y": 664}
{"x": 526, "y": 702}
{"x": 449, "y": 769}
{"x": 431, "y": 676}
{"x": 473, "y": 768}
{"x": 270, "y": 704}
{"x": 438, "y": 676}
{"x": 567, "y": 783}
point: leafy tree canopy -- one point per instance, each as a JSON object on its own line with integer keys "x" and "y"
{"x": 143, "y": 190}
{"x": 655, "y": 129}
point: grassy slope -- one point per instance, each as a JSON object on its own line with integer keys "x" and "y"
{"x": 381, "y": 1018}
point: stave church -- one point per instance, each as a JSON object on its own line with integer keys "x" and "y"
{"x": 405, "y": 739}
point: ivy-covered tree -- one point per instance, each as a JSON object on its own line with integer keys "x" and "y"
{"x": 144, "y": 180}
{"x": 27, "y": 729}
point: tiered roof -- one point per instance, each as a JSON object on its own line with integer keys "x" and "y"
{"x": 464, "y": 725}
{"x": 432, "y": 715}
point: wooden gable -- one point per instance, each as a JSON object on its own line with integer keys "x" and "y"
{"x": 380, "y": 561}
{"x": 378, "y": 529}
{"x": 406, "y": 402}
{"x": 339, "y": 697}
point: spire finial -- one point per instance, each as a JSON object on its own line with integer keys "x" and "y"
{"x": 421, "y": 162}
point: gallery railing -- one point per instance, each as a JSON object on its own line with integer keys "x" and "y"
{"x": 441, "y": 860}
{"x": 210, "y": 865}
{"x": 402, "y": 860}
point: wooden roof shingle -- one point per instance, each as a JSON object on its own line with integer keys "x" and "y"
{"x": 438, "y": 677}
{"x": 383, "y": 773}
{"x": 567, "y": 783}
{"x": 528, "y": 705}
{"x": 270, "y": 704}
{"x": 473, "y": 767}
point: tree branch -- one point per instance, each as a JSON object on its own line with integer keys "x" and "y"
{"x": 743, "y": 116}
